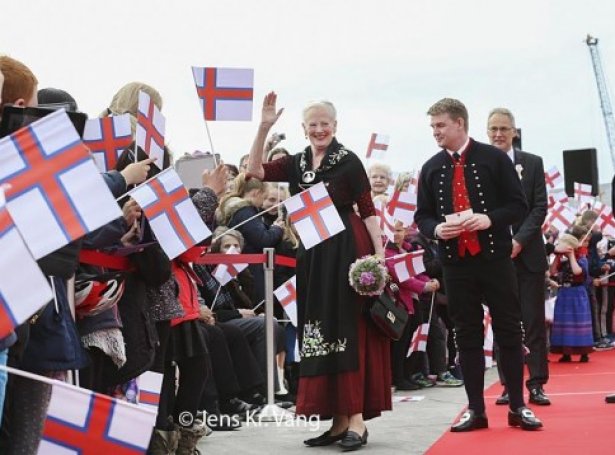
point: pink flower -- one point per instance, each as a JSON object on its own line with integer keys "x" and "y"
{"x": 367, "y": 278}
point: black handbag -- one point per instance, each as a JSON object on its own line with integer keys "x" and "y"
{"x": 390, "y": 318}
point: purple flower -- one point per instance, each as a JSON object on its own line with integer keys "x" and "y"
{"x": 367, "y": 278}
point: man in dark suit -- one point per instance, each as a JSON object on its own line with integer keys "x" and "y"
{"x": 528, "y": 253}
{"x": 469, "y": 196}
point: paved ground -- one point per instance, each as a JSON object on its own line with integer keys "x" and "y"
{"x": 411, "y": 428}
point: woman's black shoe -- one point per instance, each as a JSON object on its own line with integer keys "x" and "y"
{"x": 325, "y": 439}
{"x": 352, "y": 441}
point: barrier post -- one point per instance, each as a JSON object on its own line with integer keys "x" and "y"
{"x": 271, "y": 412}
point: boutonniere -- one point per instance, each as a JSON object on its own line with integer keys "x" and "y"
{"x": 519, "y": 170}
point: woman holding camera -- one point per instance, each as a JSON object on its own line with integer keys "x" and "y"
{"x": 344, "y": 370}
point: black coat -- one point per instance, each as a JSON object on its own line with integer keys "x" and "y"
{"x": 493, "y": 188}
{"x": 528, "y": 232}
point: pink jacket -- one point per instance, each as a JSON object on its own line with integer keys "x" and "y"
{"x": 409, "y": 289}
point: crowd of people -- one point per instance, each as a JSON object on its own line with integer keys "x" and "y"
{"x": 208, "y": 340}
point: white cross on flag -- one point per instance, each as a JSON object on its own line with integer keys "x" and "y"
{"x": 557, "y": 196}
{"x": 171, "y": 213}
{"x": 314, "y": 216}
{"x": 385, "y": 221}
{"x": 23, "y": 288}
{"x": 419, "y": 339}
{"x": 150, "y": 129}
{"x": 402, "y": 206}
{"x": 488, "y": 337}
{"x": 378, "y": 144}
{"x": 87, "y": 423}
{"x": 225, "y": 93}
{"x": 107, "y": 138}
{"x": 408, "y": 265}
{"x": 583, "y": 193}
{"x": 560, "y": 217}
{"x": 287, "y": 296}
{"x": 606, "y": 222}
{"x": 150, "y": 384}
{"x": 57, "y": 194}
{"x": 553, "y": 178}
{"x": 226, "y": 272}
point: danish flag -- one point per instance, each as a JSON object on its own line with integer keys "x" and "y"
{"x": 23, "y": 288}
{"x": 408, "y": 265}
{"x": 314, "y": 216}
{"x": 171, "y": 213}
{"x": 488, "y": 337}
{"x": 87, "y": 423}
{"x": 57, "y": 194}
{"x": 287, "y": 296}
{"x": 560, "y": 217}
{"x": 606, "y": 221}
{"x": 557, "y": 196}
{"x": 150, "y": 129}
{"x": 583, "y": 193}
{"x": 385, "y": 221}
{"x": 225, "y": 93}
{"x": 150, "y": 384}
{"x": 554, "y": 179}
{"x": 419, "y": 339}
{"x": 378, "y": 144}
{"x": 402, "y": 206}
{"x": 226, "y": 272}
{"x": 107, "y": 138}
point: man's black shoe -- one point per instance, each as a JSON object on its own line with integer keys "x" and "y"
{"x": 524, "y": 418}
{"x": 610, "y": 398}
{"x": 325, "y": 439}
{"x": 406, "y": 385}
{"x": 469, "y": 421}
{"x": 503, "y": 399}
{"x": 537, "y": 396}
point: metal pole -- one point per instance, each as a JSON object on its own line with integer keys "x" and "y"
{"x": 271, "y": 411}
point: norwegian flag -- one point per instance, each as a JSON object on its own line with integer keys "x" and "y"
{"x": 225, "y": 93}
{"x": 385, "y": 221}
{"x": 553, "y": 178}
{"x": 560, "y": 217}
{"x": 150, "y": 384}
{"x": 287, "y": 296}
{"x": 23, "y": 288}
{"x": 419, "y": 339}
{"x": 314, "y": 216}
{"x": 488, "y": 337}
{"x": 583, "y": 193}
{"x": 606, "y": 222}
{"x": 171, "y": 213}
{"x": 557, "y": 196}
{"x": 378, "y": 144}
{"x": 408, "y": 265}
{"x": 107, "y": 138}
{"x": 150, "y": 129}
{"x": 87, "y": 423}
{"x": 402, "y": 206}
{"x": 57, "y": 194}
{"x": 226, "y": 272}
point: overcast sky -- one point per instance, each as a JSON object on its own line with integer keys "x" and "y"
{"x": 382, "y": 63}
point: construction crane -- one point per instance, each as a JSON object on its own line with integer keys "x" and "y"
{"x": 603, "y": 92}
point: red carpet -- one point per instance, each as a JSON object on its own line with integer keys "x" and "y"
{"x": 578, "y": 422}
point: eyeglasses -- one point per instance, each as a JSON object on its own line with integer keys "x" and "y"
{"x": 501, "y": 129}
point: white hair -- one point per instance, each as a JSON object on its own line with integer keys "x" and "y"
{"x": 328, "y": 105}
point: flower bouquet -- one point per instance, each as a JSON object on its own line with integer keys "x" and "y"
{"x": 368, "y": 275}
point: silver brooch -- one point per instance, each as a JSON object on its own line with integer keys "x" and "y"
{"x": 309, "y": 176}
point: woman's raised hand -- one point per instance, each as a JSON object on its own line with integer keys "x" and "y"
{"x": 269, "y": 115}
